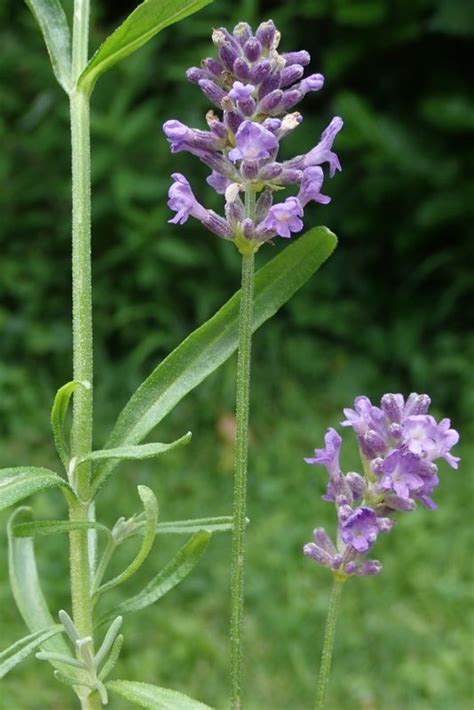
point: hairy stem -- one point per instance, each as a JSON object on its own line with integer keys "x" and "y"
{"x": 329, "y": 633}
{"x": 81, "y": 433}
{"x": 240, "y": 476}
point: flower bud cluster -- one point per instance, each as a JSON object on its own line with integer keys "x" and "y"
{"x": 256, "y": 88}
{"x": 399, "y": 443}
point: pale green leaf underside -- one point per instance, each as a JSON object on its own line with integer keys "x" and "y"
{"x": 22, "y": 481}
{"x": 214, "y": 342}
{"x": 53, "y": 24}
{"x": 40, "y": 528}
{"x": 130, "y": 452}
{"x": 26, "y": 588}
{"x": 150, "y": 507}
{"x": 150, "y": 696}
{"x": 58, "y": 416}
{"x": 20, "y": 650}
{"x": 185, "y": 527}
{"x": 171, "y": 575}
{"x": 141, "y": 25}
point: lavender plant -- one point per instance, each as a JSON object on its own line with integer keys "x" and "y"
{"x": 255, "y": 87}
{"x": 399, "y": 443}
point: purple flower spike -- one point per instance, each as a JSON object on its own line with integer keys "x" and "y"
{"x": 255, "y": 87}
{"x": 360, "y": 529}
{"x": 253, "y": 143}
{"x": 283, "y": 218}
{"x": 329, "y": 456}
{"x": 399, "y": 443}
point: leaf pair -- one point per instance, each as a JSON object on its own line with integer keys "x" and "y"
{"x": 146, "y": 21}
{"x": 58, "y": 425}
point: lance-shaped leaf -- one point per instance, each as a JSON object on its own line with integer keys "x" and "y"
{"x": 55, "y": 527}
{"x": 130, "y": 452}
{"x": 141, "y": 25}
{"x": 53, "y": 24}
{"x": 214, "y": 342}
{"x": 22, "y": 481}
{"x": 150, "y": 696}
{"x": 185, "y": 527}
{"x": 171, "y": 575}
{"x": 20, "y": 650}
{"x": 150, "y": 507}
{"x": 58, "y": 416}
{"x": 26, "y": 588}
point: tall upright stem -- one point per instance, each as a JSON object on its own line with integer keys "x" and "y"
{"x": 328, "y": 645}
{"x": 81, "y": 433}
{"x": 240, "y": 476}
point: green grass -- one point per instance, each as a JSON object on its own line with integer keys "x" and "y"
{"x": 404, "y": 637}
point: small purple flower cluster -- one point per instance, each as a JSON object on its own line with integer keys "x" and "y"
{"x": 399, "y": 443}
{"x": 255, "y": 87}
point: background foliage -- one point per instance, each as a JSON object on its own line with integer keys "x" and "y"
{"x": 392, "y": 310}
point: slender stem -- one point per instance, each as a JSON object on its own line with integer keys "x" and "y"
{"x": 81, "y": 432}
{"x": 326, "y": 656}
{"x": 240, "y": 479}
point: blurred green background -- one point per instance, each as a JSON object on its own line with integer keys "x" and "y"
{"x": 390, "y": 311}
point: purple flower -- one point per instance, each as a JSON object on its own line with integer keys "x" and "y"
{"x": 329, "y": 456}
{"x": 218, "y": 182}
{"x": 240, "y": 92}
{"x": 283, "y": 218}
{"x": 182, "y": 201}
{"x": 253, "y": 142}
{"x": 360, "y": 529}
{"x": 424, "y": 437}
{"x": 322, "y": 153}
{"x": 359, "y": 418}
{"x": 400, "y": 474}
{"x": 311, "y": 187}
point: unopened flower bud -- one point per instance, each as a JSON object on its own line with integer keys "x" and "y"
{"x": 291, "y": 74}
{"x": 266, "y": 34}
{"x": 252, "y": 50}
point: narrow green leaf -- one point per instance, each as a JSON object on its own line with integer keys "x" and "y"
{"x": 22, "y": 648}
{"x": 141, "y": 25}
{"x": 22, "y": 481}
{"x": 214, "y": 342}
{"x": 111, "y": 661}
{"x": 150, "y": 696}
{"x": 171, "y": 575}
{"x": 145, "y": 451}
{"x": 185, "y": 527}
{"x": 26, "y": 588}
{"x": 58, "y": 416}
{"x": 55, "y": 527}
{"x": 53, "y": 24}
{"x": 150, "y": 506}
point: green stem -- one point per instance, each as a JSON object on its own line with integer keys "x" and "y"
{"x": 240, "y": 478}
{"x": 328, "y": 645}
{"x": 81, "y": 431}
